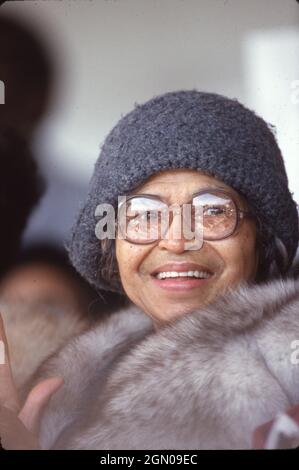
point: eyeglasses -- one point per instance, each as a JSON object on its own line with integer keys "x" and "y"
{"x": 146, "y": 217}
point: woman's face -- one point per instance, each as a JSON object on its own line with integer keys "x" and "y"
{"x": 229, "y": 260}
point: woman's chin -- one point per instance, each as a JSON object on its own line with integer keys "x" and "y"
{"x": 169, "y": 312}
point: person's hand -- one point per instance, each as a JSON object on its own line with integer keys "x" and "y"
{"x": 262, "y": 433}
{"x": 19, "y": 425}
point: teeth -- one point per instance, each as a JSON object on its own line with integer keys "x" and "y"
{"x": 197, "y": 274}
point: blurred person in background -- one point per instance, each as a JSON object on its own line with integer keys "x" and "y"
{"x": 21, "y": 188}
{"x": 45, "y": 302}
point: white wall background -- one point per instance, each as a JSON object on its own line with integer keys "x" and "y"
{"x": 113, "y": 53}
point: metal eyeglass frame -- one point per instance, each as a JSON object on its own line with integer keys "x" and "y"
{"x": 241, "y": 214}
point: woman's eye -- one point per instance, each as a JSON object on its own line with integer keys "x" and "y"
{"x": 214, "y": 211}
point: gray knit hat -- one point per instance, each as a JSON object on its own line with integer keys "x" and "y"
{"x": 200, "y": 131}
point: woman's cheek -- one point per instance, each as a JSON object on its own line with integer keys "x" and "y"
{"x": 241, "y": 264}
{"x": 128, "y": 258}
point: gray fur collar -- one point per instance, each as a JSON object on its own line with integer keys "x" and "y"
{"x": 204, "y": 381}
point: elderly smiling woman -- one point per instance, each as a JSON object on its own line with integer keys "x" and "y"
{"x": 202, "y": 353}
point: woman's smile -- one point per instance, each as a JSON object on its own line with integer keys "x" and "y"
{"x": 181, "y": 276}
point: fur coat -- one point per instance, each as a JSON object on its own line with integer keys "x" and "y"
{"x": 204, "y": 381}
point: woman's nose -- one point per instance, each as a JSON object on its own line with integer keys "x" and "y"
{"x": 175, "y": 240}
{"x": 173, "y": 245}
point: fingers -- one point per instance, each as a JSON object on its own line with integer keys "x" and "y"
{"x": 260, "y": 435}
{"x": 4, "y": 341}
{"x": 294, "y": 413}
{"x": 14, "y": 435}
{"x": 8, "y": 392}
{"x": 37, "y": 399}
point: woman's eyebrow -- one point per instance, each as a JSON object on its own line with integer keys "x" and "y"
{"x": 206, "y": 188}
{"x": 228, "y": 191}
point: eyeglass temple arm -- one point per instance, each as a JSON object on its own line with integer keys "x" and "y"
{"x": 244, "y": 213}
